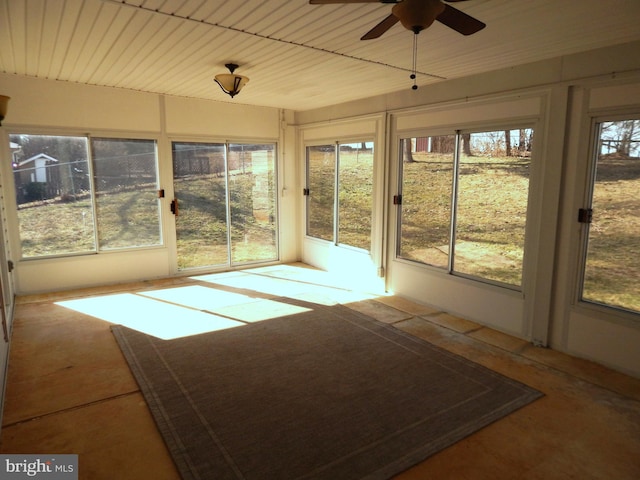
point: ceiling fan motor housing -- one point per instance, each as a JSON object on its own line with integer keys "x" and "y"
{"x": 416, "y": 15}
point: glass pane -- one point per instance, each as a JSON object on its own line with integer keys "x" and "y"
{"x": 612, "y": 266}
{"x": 321, "y": 178}
{"x": 252, "y": 201}
{"x": 200, "y": 188}
{"x": 355, "y": 180}
{"x": 125, "y": 181}
{"x": 53, "y": 194}
{"x": 493, "y": 189}
{"x": 425, "y": 214}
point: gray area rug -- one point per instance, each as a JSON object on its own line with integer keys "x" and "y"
{"x": 326, "y": 394}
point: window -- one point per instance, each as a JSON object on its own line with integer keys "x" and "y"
{"x": 252, "y": 197}
{"x": 464, "y": 202}
{"x": 427, "y": 173}
{"x": 79, "y": 195}
{"x": 126, "y": 192}
{"x": 321, "y": 182}
{"x": 355, "y": 194}
{"x": 611, "y": 264}
{"x": 340, "y": 193}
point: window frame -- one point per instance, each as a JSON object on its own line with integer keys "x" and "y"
{"x": 226, "y": 147}
{"x": 528, "y": 124}
{"x": 307, "y": 191}
{"x": 586, "y": 201}
{"x": 88, "y": 136}
{"x": 336, "y": 145}
{"x": 94, "y": 175}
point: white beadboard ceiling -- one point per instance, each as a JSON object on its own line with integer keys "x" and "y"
{"x": 297, "y": 56}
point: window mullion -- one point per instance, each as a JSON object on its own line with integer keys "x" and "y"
{"x": 92, "y": 189}
{"x": 336, "y": 194}
{"x": 307, "y": 191}
{"x": 454, "y": 201}
{"x": 227, "y": 201}
{"x": 401, "y": 193}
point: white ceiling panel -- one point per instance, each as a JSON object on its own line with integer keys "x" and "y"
{"x": 297, "y": 56}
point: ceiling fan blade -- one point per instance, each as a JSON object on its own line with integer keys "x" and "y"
{"x": 326, "y": 2}
{"x": 381, "y": 28}
{"x": 460, "y": 21}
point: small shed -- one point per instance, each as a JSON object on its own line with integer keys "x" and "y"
{"x": 37, "y": 168}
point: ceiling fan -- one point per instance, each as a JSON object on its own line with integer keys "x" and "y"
{"x": 416, "y": 15}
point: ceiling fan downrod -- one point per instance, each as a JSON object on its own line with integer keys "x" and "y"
{"x": 414, "y": 68}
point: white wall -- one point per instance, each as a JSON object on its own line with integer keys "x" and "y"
{"x": 606, "y": 63}
{"x": 561, "y": 97}
{"x": 42, "y": 106}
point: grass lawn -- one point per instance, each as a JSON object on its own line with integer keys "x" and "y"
{"x": 490, "y": 217}
{"x": 201, "y": 225}
{"x": 355, "y": 202}
{"x": 489, "y": 230}
{"x": 613, "y": 266}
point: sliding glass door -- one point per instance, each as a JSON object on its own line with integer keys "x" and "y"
{"x": 225, "y": 203}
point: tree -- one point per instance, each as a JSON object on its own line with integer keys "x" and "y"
{"x": 629, "y": 135}
{"x": 621, "y": 138}
{"x": 443, "y": 143}
{"x": 522, "y": 142}
{"x": 507, "y": 142}
{"x": 407, "y": 153}
{"x": 466, "y": 144}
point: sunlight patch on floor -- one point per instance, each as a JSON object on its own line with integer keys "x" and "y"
{"x": 176, "y": 312}
{"x": 146, "y": 315}
{"x": 226, "y": 304}
{"x": 258, "y": 283}
{"x": 199, "y": 297}
{"x": 299, "y": 283}
{"x": 237, "y": 300}
{"x": 260, "y": 310}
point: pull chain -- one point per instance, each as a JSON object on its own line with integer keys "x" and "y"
{"x": 415, "y": 61}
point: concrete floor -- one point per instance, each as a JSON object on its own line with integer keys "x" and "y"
{"x": 70, "y": 390}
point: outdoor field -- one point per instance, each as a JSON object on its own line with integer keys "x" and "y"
{"x": 490, "y": 218}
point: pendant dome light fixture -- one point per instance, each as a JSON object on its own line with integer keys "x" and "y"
{"x": 231, "y": 83}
